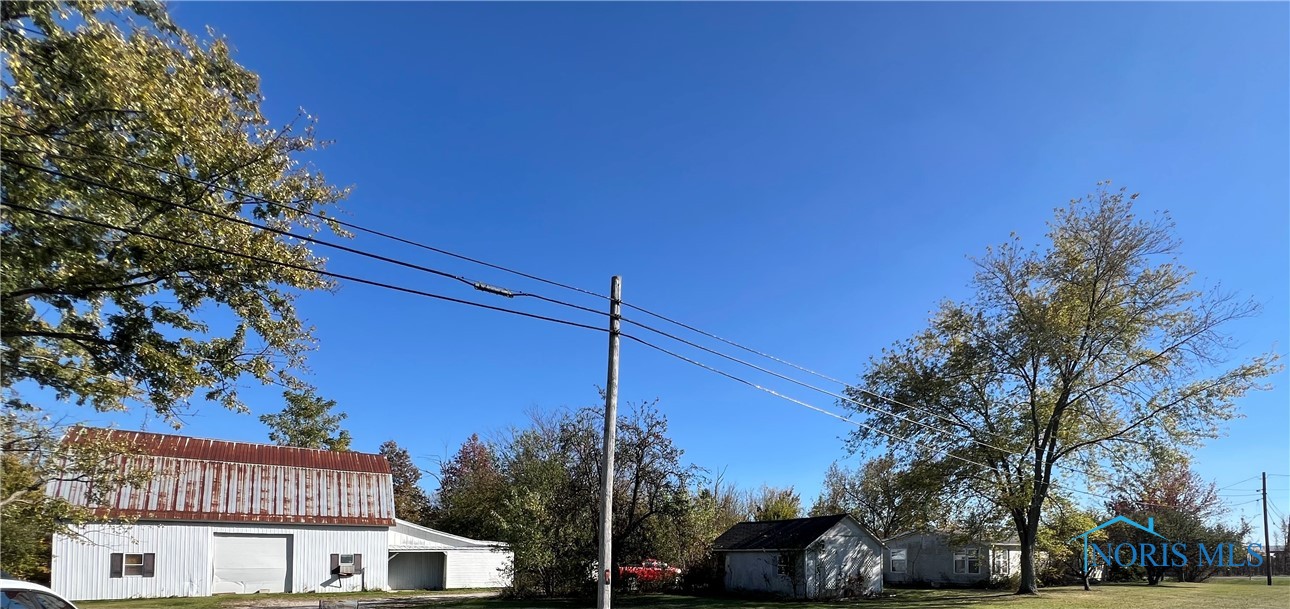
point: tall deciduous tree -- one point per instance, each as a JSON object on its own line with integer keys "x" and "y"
{"x": 110, "y": 113}
{"x": 103, "y": 316}
{"x": 307, "y": 422}
{"x": 1087, "y": 351}
{"x": 411, "y": 502}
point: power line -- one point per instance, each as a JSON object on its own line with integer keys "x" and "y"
{"x": 504, "y": 292}
{"x": 323, "y": 273}
{"x": 350, "y": 225}
{"x": 425, "y": 269}
{"x": 784, "y": 397}
{"x": 396, "y": 238}
{"x": 814, "y": 388}
{"x": 835, "y": 415}
{"x": 1255, "y": 477}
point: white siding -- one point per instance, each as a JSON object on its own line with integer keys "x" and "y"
{"x": 478, "y": 568}
{"x": 184, "y": 553}
{"x": 845, "y": 559}
{"x": 756, "y": 571}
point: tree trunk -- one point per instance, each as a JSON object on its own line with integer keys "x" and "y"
{"x": 1027, "y": 530}
{"x": 1086, "y": 586}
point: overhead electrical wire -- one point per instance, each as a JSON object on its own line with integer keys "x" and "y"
{"x": 360, "y": 228}
{"x": 238, "y": 220}
{"x": 508, "y": 293}
{"x": 945, "y": 451}
{"x": 321, "y": 272}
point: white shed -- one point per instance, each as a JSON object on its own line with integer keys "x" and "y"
{"x": 424, "y": 558}
{"x": 229, "y": 517}
{"x": 815, "y": 558}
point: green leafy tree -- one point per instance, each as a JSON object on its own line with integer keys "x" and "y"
{"x": 470, "y": 487}
{"x": 36, "y": 453}
{"x": 882, "y": 496}
{"x": 111, "y": 113}
{"x": 1092, "y": 350}
{"x": 1184, "y": 506}
{"x": 411, "y": 502}
{"x": 1063, "y": 521}
{"x": 307, "y": 422}
{"x": 103, "y": 316}
{"x": 770, "y": 503}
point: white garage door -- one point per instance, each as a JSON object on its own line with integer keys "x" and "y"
{"x": 246, "y": 564}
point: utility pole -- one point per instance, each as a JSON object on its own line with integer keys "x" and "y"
{"x": 1267, "y": 541}
{"x": 605, "y": 576}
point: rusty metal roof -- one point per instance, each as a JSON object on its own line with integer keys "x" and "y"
{"x": 196, "y": 479}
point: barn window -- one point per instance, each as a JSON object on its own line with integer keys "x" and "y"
{"x": 898, "y": 562}
{"x": 132, "y": 565}
{"x": 967, "y": 561}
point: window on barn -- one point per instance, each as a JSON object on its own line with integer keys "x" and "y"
{"x": 131, "y": 565}
{"x": 967, "y": 561}
{"x": 898, "y": 562}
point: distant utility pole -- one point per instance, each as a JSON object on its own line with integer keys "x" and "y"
{"x": 605, "y": 576}
{"x": 1267, "y": 541}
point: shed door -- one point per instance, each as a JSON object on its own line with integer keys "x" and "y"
{"x": 246, "y": 564}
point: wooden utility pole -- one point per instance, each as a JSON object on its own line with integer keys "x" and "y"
{"x": 1267, "y": 538}
{"x": 605, "y": 576}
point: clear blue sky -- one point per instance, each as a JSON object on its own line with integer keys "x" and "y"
{"x": 806, "y": 179}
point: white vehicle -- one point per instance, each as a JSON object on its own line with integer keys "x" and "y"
{"x": 16, "y": 594}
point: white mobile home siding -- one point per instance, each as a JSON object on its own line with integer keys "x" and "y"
{"x": 185, "y": 557}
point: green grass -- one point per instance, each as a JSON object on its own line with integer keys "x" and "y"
{"x": 225, "y": 601}
{"x": 1222, "y": 593}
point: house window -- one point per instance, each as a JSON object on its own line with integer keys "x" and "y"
{"x": 898, "y": 560}
{"x": 784, "y": 565}
{"x": 967, "y": 561}
{"x": 131, "y": 565}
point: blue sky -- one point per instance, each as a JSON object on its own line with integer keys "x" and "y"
{"x": 807, "y": 179}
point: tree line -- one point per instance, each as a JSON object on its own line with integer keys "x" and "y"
{"x": 536, "y": 488}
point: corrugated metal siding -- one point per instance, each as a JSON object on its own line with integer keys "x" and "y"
{"x": 185, "y": 551}
{"x": 273, "y": 485}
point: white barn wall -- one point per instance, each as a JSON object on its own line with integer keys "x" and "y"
{"x": 185, "y": 553}
{"x": 478, "y": 568}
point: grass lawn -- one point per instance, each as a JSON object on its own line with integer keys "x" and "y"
{"x": 230, "y": 601}
{"x": 1232, "y": 593}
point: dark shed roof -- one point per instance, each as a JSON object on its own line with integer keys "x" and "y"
{"x": 793, "y": 534}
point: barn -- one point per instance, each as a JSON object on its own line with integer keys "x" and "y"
{"x": 221, "y": 517}
{"x": 815, "y": 558}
